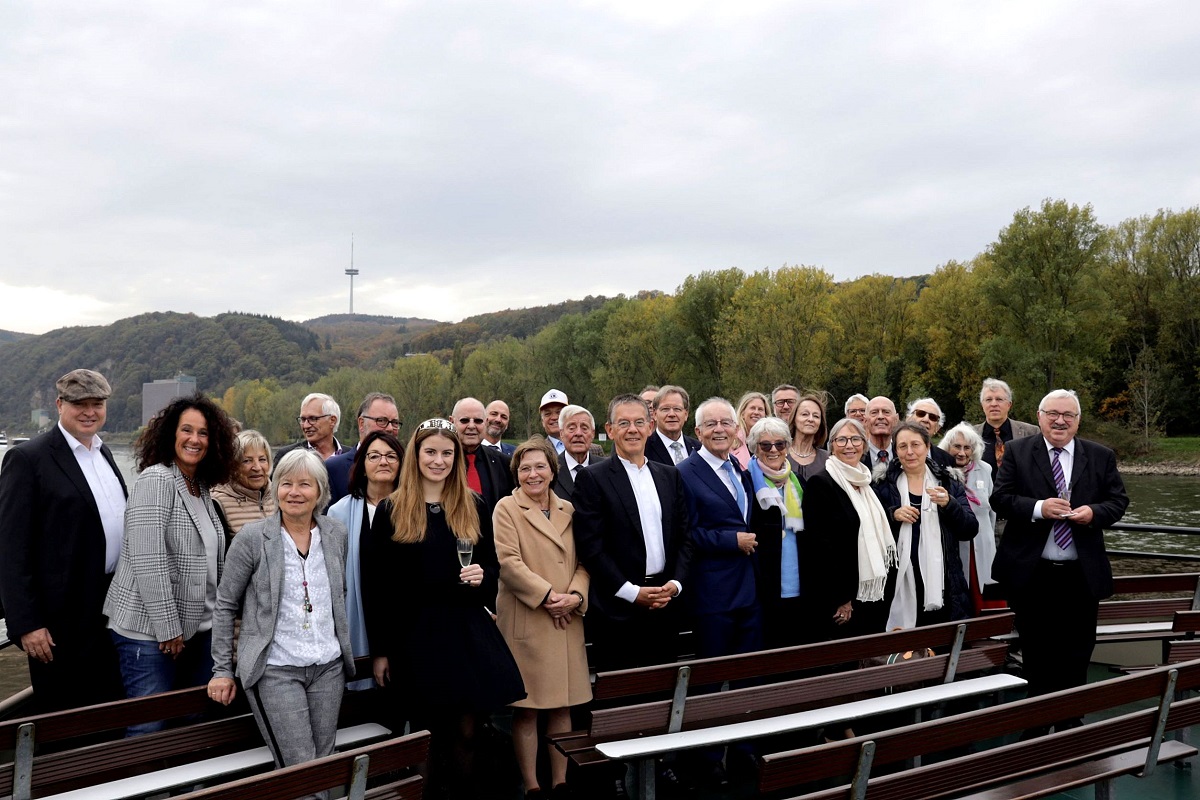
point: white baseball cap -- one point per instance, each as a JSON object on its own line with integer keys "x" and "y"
{"x": 553, "y": 396}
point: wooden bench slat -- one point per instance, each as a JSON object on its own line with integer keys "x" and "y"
{"x": 648, "y": 680}
{"x": 1145, "y": 584}
{"x": 1142, "y": 609}
{"x": 410, "y": 788}
{"x": 1186, "y": 622}
{"x": 1084, "y": 774}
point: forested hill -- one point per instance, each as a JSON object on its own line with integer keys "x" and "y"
{"x": 12, "y": 336}
{"x": 218, "y": 351}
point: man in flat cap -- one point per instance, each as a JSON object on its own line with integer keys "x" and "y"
{"x": 62, "y": 511}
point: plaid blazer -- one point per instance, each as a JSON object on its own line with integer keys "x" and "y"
{"x": 161, "y": 583}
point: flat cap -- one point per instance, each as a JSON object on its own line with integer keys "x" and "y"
{"x": 82, "y": 384}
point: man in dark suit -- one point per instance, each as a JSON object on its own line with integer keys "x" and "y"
{"x": 667, "y": 444}
{"x": 377, "y": 412}
{"x": 495, "y": 427}
{"x": 319, "y": 418}
{"x": 882, "y": 419}
{"x": 631, "y": 531}
{"x": 1059, "y": 493}
{"x": 578, "y": 429}
{"x": 487, "y": 469}
{"x": 998, "y": 429}
{"x": 62, "y": 506}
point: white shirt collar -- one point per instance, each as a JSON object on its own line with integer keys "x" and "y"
{"x": 74, "y": 443}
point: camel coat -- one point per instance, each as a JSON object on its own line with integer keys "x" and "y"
{"x": 536, "y": 555}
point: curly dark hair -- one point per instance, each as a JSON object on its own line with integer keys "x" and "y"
{"x": 358, "y": 472}
{"x": 156, "y": 445}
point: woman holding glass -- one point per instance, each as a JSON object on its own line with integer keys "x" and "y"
{"x": 929, "y": 513}
{"x": 433, "y": 643}
{"x": 543, "y": 591}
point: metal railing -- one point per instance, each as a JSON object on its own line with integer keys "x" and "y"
{"x": 1137, "y": 527}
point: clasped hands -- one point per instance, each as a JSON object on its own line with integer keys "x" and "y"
{"x": 1057, "y": 508}
{"x": 561, "y": 607}
{"x": 653, "y": 597}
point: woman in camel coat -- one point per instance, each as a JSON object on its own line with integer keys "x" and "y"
{"x": 540, "y": 606}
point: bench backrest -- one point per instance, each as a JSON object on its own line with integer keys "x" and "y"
{"x": 1155, "y": 609}
{"x": 1020, "y": 759}
{"x": 1176, "y": 582}
{"x": 796, "y": 767}
{"x": 767, "y": 663}
{"x": 326, "y": 773}
{"x": 774, "y": 699}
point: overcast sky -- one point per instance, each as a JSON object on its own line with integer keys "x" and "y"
{"x": 207, "y": 157}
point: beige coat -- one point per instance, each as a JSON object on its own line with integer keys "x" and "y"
{"x": 536, "y": 555}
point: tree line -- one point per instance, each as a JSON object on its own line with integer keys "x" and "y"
{"x": 1058, "y": 300}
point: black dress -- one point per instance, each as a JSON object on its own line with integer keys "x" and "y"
{"x": 445, "y": 654}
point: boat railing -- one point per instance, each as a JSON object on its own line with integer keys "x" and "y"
{"x": 1174, "y": 530}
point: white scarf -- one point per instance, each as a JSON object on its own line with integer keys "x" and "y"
{"x": 903, "y": 613}
{"x": 876, "y": 547}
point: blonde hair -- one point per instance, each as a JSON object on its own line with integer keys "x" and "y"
{"x": 409, "y": 520}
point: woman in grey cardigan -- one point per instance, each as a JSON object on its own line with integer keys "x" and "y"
{"x": 160, "y": 603}
{"x": 287, "y": 574}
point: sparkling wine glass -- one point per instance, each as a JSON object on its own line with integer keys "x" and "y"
{"x": 465, "y": 550}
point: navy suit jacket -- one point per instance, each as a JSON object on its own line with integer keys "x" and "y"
{"x": 338, "y": 468}
{"x": 1025, "y": 478}
{"x": 722, "y": 578}
{"x": 608, "y": 532}
{"x": 657, "y": 451}
{"x": 52, "y": 546}
{"x": 564, "y": 484}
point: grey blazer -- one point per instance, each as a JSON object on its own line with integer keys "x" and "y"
{"x": 253, "y": 582}
{"x": 1019, "y": 429}
{"x": 160, "y": 587}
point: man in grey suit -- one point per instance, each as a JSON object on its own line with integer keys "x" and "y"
{"x": 999, "y": 429}
{"x": 578, "y": 429}
{"x": 62, "y": 509}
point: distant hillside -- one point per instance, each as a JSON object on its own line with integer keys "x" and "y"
{"x": 12, "y": 336}
{"x": 217, "y": 350}
{"x": 520, "y": 323}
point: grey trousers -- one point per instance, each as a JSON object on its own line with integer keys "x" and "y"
{"x": 297, "y": 710}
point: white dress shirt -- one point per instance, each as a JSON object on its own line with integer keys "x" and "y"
{"x": 106, "y": 489}
{"x": 668, "y": 442}
{"x": 1066, "y": 459}
{"x": 650, "y": 515}
{"x": 572, "y": 464}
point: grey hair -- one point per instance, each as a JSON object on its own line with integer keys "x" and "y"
{"x": 1061, "y": 394}
{"x": 967, "y": 432}
{"x": 304, "y": 462}
{"x": 767, "y": 426}
{"x": 843, "y": 422}
{"x": 932, "y": 402}
{"x": 994, "y": 384}
{"x": 250, "y": 440}
{"x": 712, "y": 401}
{"x": 572, "y": 410}
{"x": 328, "y": 406}
{"x": 371, "y": 398}
{"x": 851, "y": 399}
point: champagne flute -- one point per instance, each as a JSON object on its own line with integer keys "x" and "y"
{"x": 1065, "y": 494}
{"x": 465, "y": 550}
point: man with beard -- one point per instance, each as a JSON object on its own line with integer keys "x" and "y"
{"x": 495, "y": 426}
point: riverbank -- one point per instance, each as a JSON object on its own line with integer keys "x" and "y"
{"x": 1159, "y": 468}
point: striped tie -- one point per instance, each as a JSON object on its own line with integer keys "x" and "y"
{"x": 1061, "y": 530}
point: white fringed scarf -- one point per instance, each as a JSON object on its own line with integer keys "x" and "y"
{"x": 876, "y": 547}
{"x": 903, "y": 613}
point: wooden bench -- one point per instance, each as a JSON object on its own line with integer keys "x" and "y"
{"x": 1141, "y": 619}
{"x": 71, "y": 767}
{"x": 353, "y": 768}
{"x": 1093, "y": 753}
{"x": 967, "y": 649}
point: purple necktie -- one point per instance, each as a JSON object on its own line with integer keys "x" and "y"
{"x": 1061, "y": 530}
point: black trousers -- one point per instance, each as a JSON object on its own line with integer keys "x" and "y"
{"x": 646, "y": 637}
{"x": 84, "y": 671}
{"x": 1056, "y": 618}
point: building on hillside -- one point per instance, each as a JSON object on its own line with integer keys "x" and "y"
{"x": 156, "y": 395}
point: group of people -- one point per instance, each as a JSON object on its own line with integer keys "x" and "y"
{"x": 464, "y": 566}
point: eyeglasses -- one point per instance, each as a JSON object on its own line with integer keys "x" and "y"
{"x": 713, "y": 424}
{"x": 1067, "y": 416}
{"x": 469, "y": 420}
{"x": 312, "y": 420}
{"x": 387, "y": 458}
{"x": 784, "y": 402}
{"x": 781, "y": 446}
{"x": 529, "y": 469}
{"x": 921, "y": 413}
{"x": 842, "y": 441}
{"x": 383, "y": 422}
{"x": 625, "y": 424}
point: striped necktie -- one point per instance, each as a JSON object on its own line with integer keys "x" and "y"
{"x": 999, "y": 449}
{"x": 1061, "y": 529}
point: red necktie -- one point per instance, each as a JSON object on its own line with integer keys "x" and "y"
{"x": 473, "y": 474}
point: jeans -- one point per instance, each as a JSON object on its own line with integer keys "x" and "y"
{"x": 145, "y": 670}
